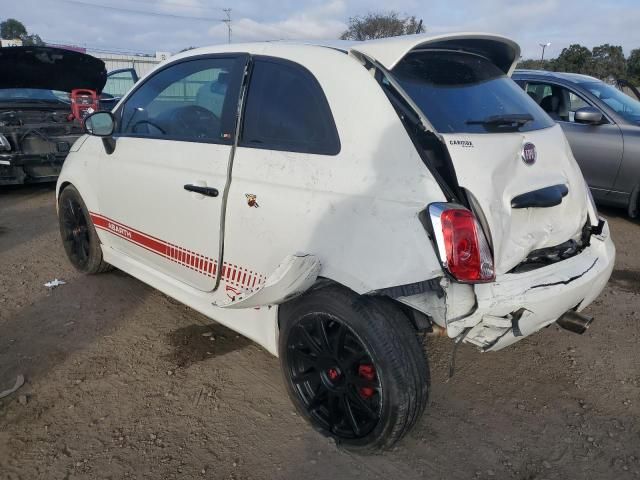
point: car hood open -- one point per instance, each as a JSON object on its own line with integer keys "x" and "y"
{"x": 51, "y": 69}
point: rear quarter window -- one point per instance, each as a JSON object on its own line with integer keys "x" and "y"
{"x": 456, "y": 90}
{"x": 287, "y": 110}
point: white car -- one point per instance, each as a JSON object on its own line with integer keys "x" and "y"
{"x": 334, "y": 202}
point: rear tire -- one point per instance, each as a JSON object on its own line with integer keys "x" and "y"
{"x": 354, "y": 367}
{"x": 79, "y": 237}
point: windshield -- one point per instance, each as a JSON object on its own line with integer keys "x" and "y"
{"x": 621, "y": 103}
{"x": 26, "y": 95}
{"x": 466, "y": 93}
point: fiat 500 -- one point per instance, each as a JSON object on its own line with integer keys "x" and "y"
{"x": 336, "y": 202}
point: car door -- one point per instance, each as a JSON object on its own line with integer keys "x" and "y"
{"x": 119, "y": 82}
{"x": 598, "y": 149}
{"x": 161, "y": 189}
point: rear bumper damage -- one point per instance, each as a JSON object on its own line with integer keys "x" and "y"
{"x": 516, "y": 305}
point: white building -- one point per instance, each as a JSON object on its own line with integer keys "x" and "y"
{"x": 4, "y": 42}
{"x": 141, "y": 63}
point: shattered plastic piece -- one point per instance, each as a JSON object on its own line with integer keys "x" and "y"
{"x": 19, "y": 383}
{"x": 55, "y": 283}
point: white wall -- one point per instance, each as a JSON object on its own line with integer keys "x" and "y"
{"x": 141, "y": 63}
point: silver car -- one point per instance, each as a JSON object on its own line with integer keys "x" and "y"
{"x": 602, "y": 125}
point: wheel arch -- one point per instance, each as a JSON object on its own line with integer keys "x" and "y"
{"x": 420, "y": 321}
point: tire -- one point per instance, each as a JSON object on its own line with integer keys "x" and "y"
{"x": 79, "y": 237}
{"x": 358, "y": 357}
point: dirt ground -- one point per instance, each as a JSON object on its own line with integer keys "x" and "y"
{"x": 121, "y": 383}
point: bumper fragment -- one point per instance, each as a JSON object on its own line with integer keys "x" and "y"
{"x": 518, "y": 305}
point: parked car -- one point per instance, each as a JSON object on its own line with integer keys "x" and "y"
{"x": 602, "y": 125}
{"x": 37, "y": 126}
{"x": 335, "y": 202}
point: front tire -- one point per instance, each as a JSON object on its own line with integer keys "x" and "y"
{"x": 79, "y": 237}
{"x": 354, "y": 367}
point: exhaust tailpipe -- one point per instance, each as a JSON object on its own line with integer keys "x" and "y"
{"x": 574, "y": 322}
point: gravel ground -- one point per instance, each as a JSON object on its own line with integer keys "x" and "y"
{"x": 122, "y": 383}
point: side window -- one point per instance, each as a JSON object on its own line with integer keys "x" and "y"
{"x": 190, "y": 101}
{"x": 287, "y": 110}
{"x": 559, "y": 102}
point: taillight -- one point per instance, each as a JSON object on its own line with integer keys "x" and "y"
{"x": 462, "y": 245}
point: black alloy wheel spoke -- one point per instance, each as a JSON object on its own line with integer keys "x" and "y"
{"x": 309, "y": 340}
{"x": 324, "y": 336}
{"x": 334, "y": 414}
{"x": 307, "y": 356}
{"x": 338, "y": 341}
{"x": 350, "y": 415}
{"x": 361, "y": 404}
{"x": 307, "y": 376}
{"x": 318, "y": 399}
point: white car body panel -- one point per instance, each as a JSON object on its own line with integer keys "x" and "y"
{"x": 353, "y": 215}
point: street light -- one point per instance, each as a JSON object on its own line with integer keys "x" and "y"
{"x": 544, "y": 46}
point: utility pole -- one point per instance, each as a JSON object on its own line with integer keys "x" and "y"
{"x": 544, "y": 46}
{"x": 227, "y": 20}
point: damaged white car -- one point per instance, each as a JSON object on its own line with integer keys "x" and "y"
{"x": 332, "y": 202}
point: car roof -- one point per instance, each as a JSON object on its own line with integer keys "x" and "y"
{"x": 387, "y": 51}
{"x": 569, "y": 77}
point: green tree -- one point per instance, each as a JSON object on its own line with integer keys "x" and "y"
{"x": 32, "y": 40}
{"x": 381, "y": 25}
{"x": 12, "y": 29}
{"x": 533, "y": 64}
{"x": 608, "y": 61}
{"x": 575, "y": 59}
{"x": 633, "y": 66}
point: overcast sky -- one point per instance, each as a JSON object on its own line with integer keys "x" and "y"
{"x": 561, "y": 22}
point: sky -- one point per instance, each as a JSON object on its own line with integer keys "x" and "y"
{"x": 160, "y": 28}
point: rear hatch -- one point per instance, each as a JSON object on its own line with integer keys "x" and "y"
{"x": 510, "y": 159}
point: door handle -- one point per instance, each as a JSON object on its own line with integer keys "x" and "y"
{"x": 207, "y": 191}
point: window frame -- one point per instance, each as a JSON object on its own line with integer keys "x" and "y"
{"x": 228, "y": 115}
{"x": 331, "y": 150}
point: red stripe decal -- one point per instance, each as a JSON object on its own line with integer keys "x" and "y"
{"x": 195, "y": 261}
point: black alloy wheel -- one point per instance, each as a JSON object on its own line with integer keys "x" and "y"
{"x": 354, "y": 366}
{"x": 79, "y": 237}
{"x": 75, "y": 232}
{"x": 335, "y": 376}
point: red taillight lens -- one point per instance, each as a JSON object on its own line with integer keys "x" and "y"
{"x": 464, "y": 250}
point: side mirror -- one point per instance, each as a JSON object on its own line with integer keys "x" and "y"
{"x": 588, "y": 115}
{"x": 100, "y": 124}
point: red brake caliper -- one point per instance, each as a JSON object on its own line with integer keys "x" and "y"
{"x": 368, "y": 372}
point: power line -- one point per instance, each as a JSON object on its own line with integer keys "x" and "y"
{"x": 141, "y": 12}
{"x": 103, "y": 49}
{"x": 176, "y": 4}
